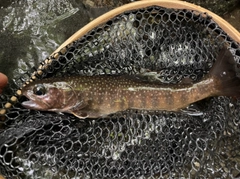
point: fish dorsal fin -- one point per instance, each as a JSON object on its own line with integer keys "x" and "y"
{"x": 186, "y": 81}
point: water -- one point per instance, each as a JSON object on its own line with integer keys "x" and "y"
{"x": 31, "y": 30}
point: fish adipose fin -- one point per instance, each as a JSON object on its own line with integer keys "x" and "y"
{"x": 224, "y": 73}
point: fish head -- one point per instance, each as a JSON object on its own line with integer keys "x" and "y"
{"x": 46, "y": 96}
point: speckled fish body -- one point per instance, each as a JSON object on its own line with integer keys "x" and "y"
{"x": 99, "y": 96}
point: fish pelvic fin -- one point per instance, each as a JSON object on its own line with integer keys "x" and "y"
{"x": 224, "y": 73}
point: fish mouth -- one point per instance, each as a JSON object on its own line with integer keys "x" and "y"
{"x": 34, "y": 103}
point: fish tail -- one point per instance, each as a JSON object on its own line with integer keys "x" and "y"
{"x": 224, "y": 73}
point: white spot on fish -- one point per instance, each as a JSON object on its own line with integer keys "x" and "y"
{"x": 131, "y": 89}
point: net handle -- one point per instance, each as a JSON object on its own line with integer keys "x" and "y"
{"x": 175, "y": 4}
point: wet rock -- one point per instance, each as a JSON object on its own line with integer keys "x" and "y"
{"x": 219, "y": 7}
{"x": 105, "y": 3}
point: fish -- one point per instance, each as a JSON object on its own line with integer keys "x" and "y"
{"x": 102, "y": 95}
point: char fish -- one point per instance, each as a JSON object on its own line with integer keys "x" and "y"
{"x": 99, "y": 96}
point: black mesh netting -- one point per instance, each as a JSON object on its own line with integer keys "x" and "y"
{"x": 131, "y": 144}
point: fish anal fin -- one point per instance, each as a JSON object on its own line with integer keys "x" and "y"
{"x": 224, "y": 66}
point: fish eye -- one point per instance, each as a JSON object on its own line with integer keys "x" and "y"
{"x": 39, "y": 90}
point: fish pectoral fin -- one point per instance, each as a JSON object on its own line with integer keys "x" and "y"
{"x": 87, "y": 113}
{"x": 80, "y": 114}
{"x": 60, "y": 113}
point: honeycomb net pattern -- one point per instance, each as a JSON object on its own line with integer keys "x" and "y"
{"x": 176, "y": 44}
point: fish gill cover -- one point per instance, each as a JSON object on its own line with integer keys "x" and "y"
{"x": 176, "y": 44}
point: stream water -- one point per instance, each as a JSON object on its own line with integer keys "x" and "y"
{"x": 31, "y": 30}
